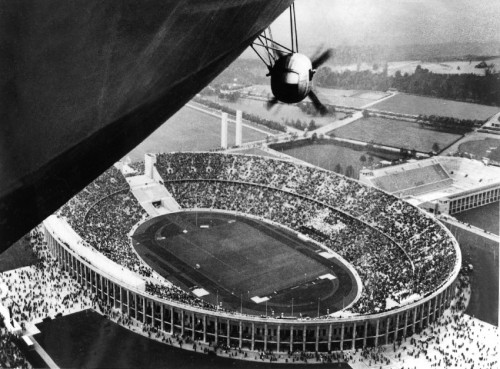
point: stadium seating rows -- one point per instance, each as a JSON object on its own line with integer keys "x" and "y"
{"x": 391, "y": 244}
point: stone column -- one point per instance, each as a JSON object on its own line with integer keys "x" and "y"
{"x": 304, "y": 338}
{"x": 252, "y": 346}
{"x": 330, "y": 337}
{"x": 171, "y": 320}
{"x": 377, "y": 332}
{"x": 342, "y": 336}
{"x": 193, "y": 324}
{"x": 354, "y": 336}
{"x": 223, "y": 131}
{"x": 278, "y": 338}
{"x": 240, "y": 338}
{"x": 238, "y": 139}
{"x": 204, "y": 328}
{"x": 365, "y": 333}
{"x": 265, "y": 337}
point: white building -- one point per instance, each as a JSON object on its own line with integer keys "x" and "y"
{"x": 441, "y": 185}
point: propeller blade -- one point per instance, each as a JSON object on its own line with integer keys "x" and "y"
{"x": 271, "y": 103}
{"x": 320, "y": 59}
{"x": 322, "y": 109}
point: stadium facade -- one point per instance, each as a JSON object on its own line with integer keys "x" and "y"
{"x": 125, "y": 291}
{"x": 440, "y": 185}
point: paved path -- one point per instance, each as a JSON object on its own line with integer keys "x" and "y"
{"x": 391, "y": 94}
{"x": 338, "y": 123}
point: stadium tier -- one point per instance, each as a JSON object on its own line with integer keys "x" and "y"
{"x": 405, "y": 261}
{"x": 441, "y": 185}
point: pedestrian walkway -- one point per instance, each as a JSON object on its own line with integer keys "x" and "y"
{"x": 337, "y": 124}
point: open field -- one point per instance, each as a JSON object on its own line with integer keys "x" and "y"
{"x": 485, "y": 217}
{"x": 350, "y": 98}
{"x": 89, "y": 340}
{"x": 237, "y": 258}
{"x": 416, "y": 105}
{"x": 190, "y": 130}
{"x": 328, "y": 156}
{"x": 278, "y": 113}
{"x": 480, "y": 148}
{"x": 396, "y": 133}
{"x": 482, "y": 253}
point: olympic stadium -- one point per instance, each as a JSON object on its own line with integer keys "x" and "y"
{"x": 256, "y": 253}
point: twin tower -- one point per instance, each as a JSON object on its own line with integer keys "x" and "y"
{"x": 223, "y": 132}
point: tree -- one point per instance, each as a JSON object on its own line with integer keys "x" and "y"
{"x": 435, "y": 147}
{"x": 349, "y": 171}
{"x": 362, "y": 158}
{"x": 338, "y": 169}
{"x": 370, "y": 160}
{"x": 314, "y": 136}
{"x": 366, "y": 114}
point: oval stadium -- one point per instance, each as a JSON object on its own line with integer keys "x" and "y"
{"x": 256, "y": 253}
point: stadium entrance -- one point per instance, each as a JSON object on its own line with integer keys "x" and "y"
{"x": 245, "y": 264}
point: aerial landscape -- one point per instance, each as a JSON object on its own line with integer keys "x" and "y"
{"x": 329, "y": 194}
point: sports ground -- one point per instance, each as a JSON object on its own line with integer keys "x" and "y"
{"x": 396, "y": 133}
{"x": 245, "y": 264}
{"x": 415, "y": 105}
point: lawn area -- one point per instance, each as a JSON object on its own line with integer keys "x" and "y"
{"x": 479, "y": 148}
{"x": 328, "y": 156}
{"x": 413, "y": 104}
{"x": 396, "y": 133}
{"x": 278, "y": 113}
{"x": 16, "y": 256}
{"x": 333, "y": 96}
{"x": 190, "y": 130}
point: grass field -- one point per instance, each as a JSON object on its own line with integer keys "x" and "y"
{"x": 482, "y": 253}
{"x": 279, "y": 113}
{"x": 480, "y": 148}
{"x": 484, "y": 217}
{"x": 239, "y": 258}
{"x": 89, "y": 340}
{"x": 329, "y": 156}
{"x": 350, "y": 98}
{"x": 413, "y": 104}
{"x": 190, "y": 130}
{"x": 396, "y": 133}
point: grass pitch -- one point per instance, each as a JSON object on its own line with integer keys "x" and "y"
{"x": 237, "y": 258}
{"x": 395, "y": 133}
{"x": 413, "y": 104}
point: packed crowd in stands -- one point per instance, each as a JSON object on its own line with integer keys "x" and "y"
{"x": 426, "y": 245}
{"x": 44, "y": 289}
{"x": 396, "y": 250}
{"x": 103, "y": 214}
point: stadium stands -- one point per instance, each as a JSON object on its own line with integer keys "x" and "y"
{"x": 392, "y": 245}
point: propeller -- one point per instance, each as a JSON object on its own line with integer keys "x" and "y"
{"x": 318, "y": 105}
{"x": 319, "y": 58}
{"x": 271, "y": 103}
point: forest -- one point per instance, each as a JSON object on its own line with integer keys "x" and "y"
{"x": 462, "y": 87}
